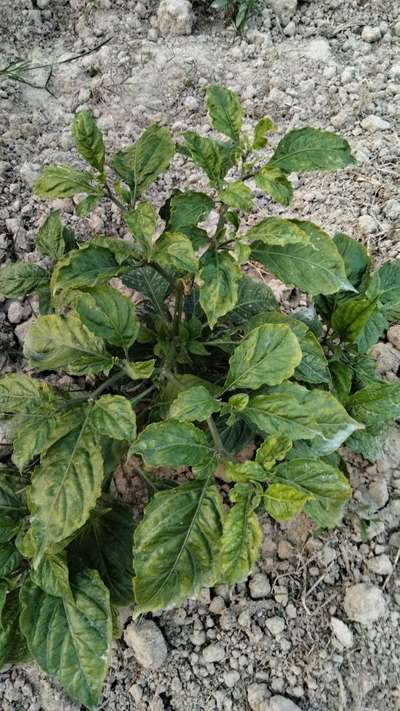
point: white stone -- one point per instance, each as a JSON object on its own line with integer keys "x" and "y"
{"x": 147, "y": 642}
{"x": 393, "y": 335}
{"x": 42, "y": 4}
{"x": 231, "y": 678}
{"x": 15, "y": 312}
{"x": 283, "y": 9}
{"x": 342, "y": 632}
{"x": 375, "y": 123}
{"x": 258, "y": 697}
{"x": 371, "y": 34}
{"x": 175, "y": 17}
{"x": 367, "y": 224}
{"x": 391, "y": 209}
{"x": 387, "y": 358}
{"x": 319, "y": 50}
{"x": 275, "y": 625}
{"x": 191, "y": 103}
{"x": 364, "y": 603}
{"x": 213, "y": 653}
{"x": 281, "y": 703}
{"x": 259, "y": 586}
{"x": 380, "y": 565}
{"x": 378, "y": 491}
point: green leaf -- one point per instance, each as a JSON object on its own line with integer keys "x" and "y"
{"x": 29, "y": 436}
{"x": 62, "y": 181}
{"x": 149, "y": 282}
{"x": 50, "y": 239}
{"x": 351, "y": 316}
{"x": 10, "y": 527}
{"x": 142, "y": 223}
{"x": 242, "y": 535}
{"x": 283, "y": 501}
{"x": 10, "y": 559}
{"x": 140, "y": 370}
{"x": 140, "y": 164}
{"x": 272, "y": 450}
{"x": 387, "y": 281}
{"x": 105, "y": 543}
{"x": 237, "y": 195}
{"x": 52, "y": 576}
{"x": 177, "y": 545}
{"x": 173, "y": 444}
{"x": 332, "y": 420}
{"x": 187, "y": 209}
{"x": 357, "y": 262}
{"x": 85, "y": 206}
{"x": 342, "y": 379}
{"x": 109, "y": 314}
{"x": 267, "y": 356}
{"x": 66, "y": 485}
{"x": 88, "y": 139}
{"x": 13, "y": 649}
{"x": 175, "y": 251}
{"x": 219, "y": 277}
{"x": 369, "y": 444}
{"x": 214, "y": 157}
{"x": 376, "y": 404}
{"x": 12, "y": 501}
{"x": 21, "y": 393}
{"x": 112, "y": 416}
{"x": 94, "y": 263}
{"x": 71, "y": 639}
{"x": 275, "y": 230}
{"x": 275, "y": 183}
{"x": 263, "y": 127}
{"x": 311, "y": 149}
{"x": 314, "y": 366}
{"x": 326, "y": 514}
{"x": 244, "y": 471}
{"x": 225, "y": 111}
{"x": 280, "y": 414}
{"x": 253, "y": 297}
{"x": 324, "y": 484}
{"x": 54, "y": 342}
{"x": 194, "y": 404}
{"x": 316, "y": 268}
{"x": 20, "y": 279}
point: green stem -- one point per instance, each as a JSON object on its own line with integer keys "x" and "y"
{"x": 138, "y": 398}
{"x": 178, "y": 309}
{"x": 144, "y": 476}
{"x": 113, "y": 199}
{"x": 96, "y": 393}
{"x": 216, "y": 437}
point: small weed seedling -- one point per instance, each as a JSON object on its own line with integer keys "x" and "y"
{"x": 205, "y": 367}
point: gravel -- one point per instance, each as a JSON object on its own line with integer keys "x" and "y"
{"x": 364, "y": 603}
{"x": 342, "y": 632}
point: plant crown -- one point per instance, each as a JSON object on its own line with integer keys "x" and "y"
{"x": 225, "y": 404}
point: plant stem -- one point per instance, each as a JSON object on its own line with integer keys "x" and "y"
{"x": 95, "y": 394}
{"x": 113, "y": 199}
{"x": 178, "y": 309}
{"x": 161, "y": 271}
{"x": 216, "y": 436}
{"x": 142, "y": 395}
{"x": 144, "y": 476}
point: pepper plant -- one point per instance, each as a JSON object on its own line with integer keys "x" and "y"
{"x": 225, "y": 404}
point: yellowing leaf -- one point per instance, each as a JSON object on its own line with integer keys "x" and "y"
{"x": 71, "y": 638}
{"x": 275, "y": 183}
{"x": 272, "y": 450}
{"x": 175, "y": 251}
{"x": 112, "y": 416}
{"x": 140, "y": 164}
{"x": 237, "y": 195}
{"x": 275, "y": 230}
{"x": 88, "y": 139}
{"x": 50, "y": 237}
{"x": 219, "y": 278}
{"x": 62, "y": 181}
{"x": 141, "y": 369}
{"x": 242, "y": 535}
{"x": 66, "y": 486}
{"x": 267, "y": 356}
{"x": 173, "y": 444}
{"x": 20, "y": 279}
{"x": 194, "y": 404}
{"x": 53, "y": 342}
{"x": 142, "y": 222}
{"x": 109, "y": 314}
{"x": 177, "y": 545}
{"x": 282, "y": 501}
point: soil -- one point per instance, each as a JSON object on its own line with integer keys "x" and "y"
{"x": 274, "y": 634}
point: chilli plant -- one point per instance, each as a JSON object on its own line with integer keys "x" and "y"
{"x": 224, "y": 404}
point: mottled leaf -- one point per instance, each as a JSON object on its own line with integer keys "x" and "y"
{"x": 242, "y": 535}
